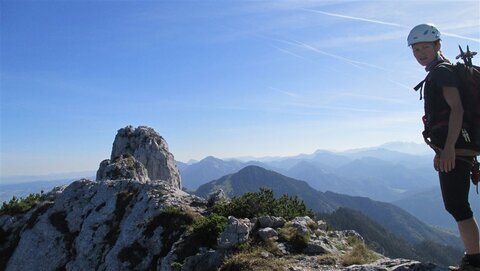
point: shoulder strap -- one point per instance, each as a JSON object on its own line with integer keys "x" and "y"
{"x": 420, "y": 87}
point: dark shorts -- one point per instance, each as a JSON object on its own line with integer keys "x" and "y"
{"x": 455, "y": 187}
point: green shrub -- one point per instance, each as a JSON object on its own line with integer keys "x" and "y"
{"x": 202, "y": 233}
{"x": 18, "y": 206}
{"x": 291, "y": 207}
{"x": 207, "y": 229}
{"x": 174, "y": 221}
{"x": 262, "y": 203}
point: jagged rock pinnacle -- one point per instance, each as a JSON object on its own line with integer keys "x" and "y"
{"x": 147, "y": 147}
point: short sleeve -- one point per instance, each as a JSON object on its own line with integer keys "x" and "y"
{"x": 444, "y": 76}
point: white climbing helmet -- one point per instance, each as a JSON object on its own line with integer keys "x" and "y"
{"x": 423, "y": 33}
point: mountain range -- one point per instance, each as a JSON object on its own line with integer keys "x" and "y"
{"x": 393, "y": 218}
{"x": 396, "y": 172}
{"x": 377, "y": 173}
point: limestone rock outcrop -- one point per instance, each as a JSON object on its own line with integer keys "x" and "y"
{"x": 149, "y": 148}
{"x": 124, "y": 167}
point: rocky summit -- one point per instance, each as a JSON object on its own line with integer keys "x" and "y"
{"x": 148, "y": 148}
{"x": 135, "y": 216}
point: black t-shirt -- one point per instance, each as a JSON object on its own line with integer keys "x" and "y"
{"x": 437, "y": 110}
{"x": 444, "y": 76}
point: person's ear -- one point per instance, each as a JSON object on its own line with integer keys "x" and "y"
{"x": 437, "y": 46}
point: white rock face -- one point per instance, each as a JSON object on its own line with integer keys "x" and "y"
{"x": 150, "y": 149}
{"x": 115, "y": 223}
{"x": 123, "y": 168}
{"x": 108, "y": 225}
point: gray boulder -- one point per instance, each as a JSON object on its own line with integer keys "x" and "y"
{"x": 205, "y": 260}
{"x": 317, "y": 247}
{"x": 216, "y": 196}
{"x": 236, "y": 232}
{"x": 302, "y": 223}
{"x": 271, "y": 222}
{"x": 123, "y": 168}
{"x": 150, "y": 149}
{"x": 267, "y": 233}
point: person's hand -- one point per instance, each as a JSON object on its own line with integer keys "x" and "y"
{"x": 446, "y": 161}
{"x": 436, "y": 162}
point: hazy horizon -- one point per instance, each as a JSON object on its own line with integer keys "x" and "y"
{"x": 420, "y": 149}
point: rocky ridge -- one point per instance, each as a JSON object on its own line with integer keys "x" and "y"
{"x": 134, "y": 216}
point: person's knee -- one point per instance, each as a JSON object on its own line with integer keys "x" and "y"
{"x": 459, "y": 211}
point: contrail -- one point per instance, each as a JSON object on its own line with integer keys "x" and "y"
{"x": 400, "y": 84}
{"x": 284, "y": 92}
{"x": 383, "y": 23}
{"x": 288, "y": 52}
{"x": 460, "y": 37}
{"x": 358, "y": 64}
{"x": 354, "y": 18}
{"x": 355, "y": 63}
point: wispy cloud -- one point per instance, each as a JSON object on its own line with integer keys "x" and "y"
{"x": 291, "y": 94}
{"x": 383, "y": 23}
{"x": 288, "y": 52}
{"x": 358, "y": 39}
{"x": 400, "y": 84}
{"x": 460, "y": 37}
{"x": 355, "y": 63}
{"x": 354, "y": 18}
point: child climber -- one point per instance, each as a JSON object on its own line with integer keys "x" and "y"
{"x": 443, "y": 126}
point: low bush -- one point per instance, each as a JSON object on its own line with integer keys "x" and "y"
{"x": 18, "y": 206}
{"x": 262, "y": 203}
{"x": 204, "y": 232}
{"x": 207, "y": 229}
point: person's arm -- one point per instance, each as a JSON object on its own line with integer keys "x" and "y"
{"x": 446, "y": 160}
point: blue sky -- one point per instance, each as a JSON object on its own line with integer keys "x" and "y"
{"x": 221, "y": 78}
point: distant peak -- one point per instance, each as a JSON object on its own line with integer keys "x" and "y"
{"x": 253, "y": 168}
{"x": 210, "y": 158}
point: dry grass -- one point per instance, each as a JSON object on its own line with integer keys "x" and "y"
{"x": 296, "y": 240}
{"x": 359, "y": 254}
{"x": 252, "y": 261}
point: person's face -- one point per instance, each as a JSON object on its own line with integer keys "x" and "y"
{"x": 425, "y": 52}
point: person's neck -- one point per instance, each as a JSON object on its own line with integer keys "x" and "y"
{"x": 434, "y": 63}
